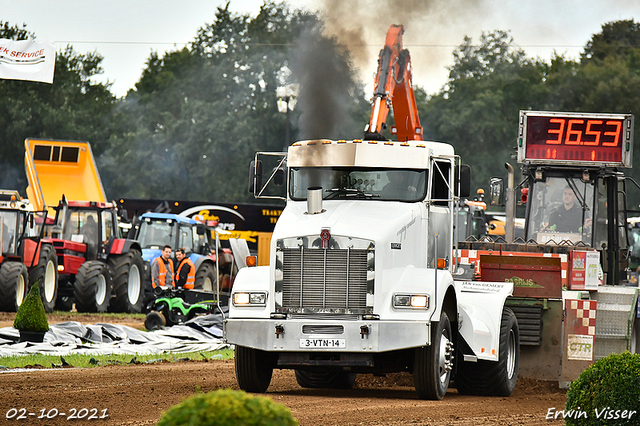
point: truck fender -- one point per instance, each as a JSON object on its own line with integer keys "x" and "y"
{"x": 480, "y": 306}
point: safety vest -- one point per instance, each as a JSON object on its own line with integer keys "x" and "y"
{"x": 191, "y": 277}
{"x": 162, "y": 271}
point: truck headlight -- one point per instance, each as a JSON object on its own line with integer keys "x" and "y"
{"x": 411, "y": 301}
{"x": 249, "y": 299}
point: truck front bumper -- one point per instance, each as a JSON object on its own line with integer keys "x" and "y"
{"x": 312, "y": 335}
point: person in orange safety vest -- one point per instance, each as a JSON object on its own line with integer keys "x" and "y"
{"x": 162, "y": 269}
{"x": 186, "y": 273}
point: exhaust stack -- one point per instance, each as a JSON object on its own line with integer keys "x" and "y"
{"x": 314, "y": 200}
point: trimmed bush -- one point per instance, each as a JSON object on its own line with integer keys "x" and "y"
{"x": 226, "y": 407}
{"x": 604, "y": 391}
{"x": 31, "y": 315}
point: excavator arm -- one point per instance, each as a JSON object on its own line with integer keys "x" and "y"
{"x": 393, "y": 88}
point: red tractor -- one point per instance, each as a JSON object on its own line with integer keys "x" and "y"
{"x": 24, "y": 257}
{"x": 99, "y": 271}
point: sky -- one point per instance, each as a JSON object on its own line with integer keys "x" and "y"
{"x": 126, "y": 32}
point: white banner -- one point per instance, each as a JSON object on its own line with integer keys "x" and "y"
{"x": 27, "y": 60}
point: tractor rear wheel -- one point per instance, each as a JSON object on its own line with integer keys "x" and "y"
{"x": 13, "y": 285}
{"x": 127, "y": 282}
{"x": 47, "y": 272}
{"x": 206, "y": 277}
{"x": 92, "y": 288}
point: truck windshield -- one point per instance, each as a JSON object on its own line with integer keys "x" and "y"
{"x": 561, "y": 210}
{"x": 360, "y": 183}
{"x": 9, "y": 230}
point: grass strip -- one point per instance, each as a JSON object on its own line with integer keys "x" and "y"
{"x": 89, "y": 361}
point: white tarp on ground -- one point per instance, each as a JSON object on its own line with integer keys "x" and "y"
{"x": 198, "y": 335}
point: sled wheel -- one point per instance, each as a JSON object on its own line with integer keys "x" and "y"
{"x": 254, "y": 369}
{"x": 433, "y": 364}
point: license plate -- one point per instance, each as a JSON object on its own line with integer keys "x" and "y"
{"x": 323, "y": 343}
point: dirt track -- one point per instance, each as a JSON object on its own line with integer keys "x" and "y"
{"x": 137, "y": 394}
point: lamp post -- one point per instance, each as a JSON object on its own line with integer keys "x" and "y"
{"x": 286, "y": 103}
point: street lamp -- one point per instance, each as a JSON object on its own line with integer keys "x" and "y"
{"x": 286, "y": 102}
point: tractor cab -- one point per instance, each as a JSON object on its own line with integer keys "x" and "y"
{"x": 90, "y": 225}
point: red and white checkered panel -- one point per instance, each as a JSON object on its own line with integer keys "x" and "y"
{"x": 585, "y": 313}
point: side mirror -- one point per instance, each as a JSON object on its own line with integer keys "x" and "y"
{"x": 200, "y": 229}
{"x": 496, "y": 191}
{"x": 255, "y": 176}
{"x": 463, "y": 180}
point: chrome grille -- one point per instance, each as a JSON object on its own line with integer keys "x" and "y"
{"x": 324, "y": 279}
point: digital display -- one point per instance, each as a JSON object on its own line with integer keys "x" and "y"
{"x": 574, "y": 138}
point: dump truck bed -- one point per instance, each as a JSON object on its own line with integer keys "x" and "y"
{"x": 59, "y": 167}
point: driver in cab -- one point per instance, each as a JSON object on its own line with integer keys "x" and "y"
{"x": 567, "y": 217}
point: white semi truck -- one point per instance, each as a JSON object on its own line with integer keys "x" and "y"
{"x": 361, "y": 277}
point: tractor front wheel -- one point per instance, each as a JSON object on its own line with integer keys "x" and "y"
{"x": 127, "y": 282}
{"x": 13, "y": 285}
{"x": 92, "y": 288}
{"x": 46, "y": 272}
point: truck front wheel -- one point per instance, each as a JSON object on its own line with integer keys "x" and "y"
{"x": 433, "y": 364}
{"x": 491, "y": 377}
{"x": 325, "y": 379}
{"x": 254, "y": 369}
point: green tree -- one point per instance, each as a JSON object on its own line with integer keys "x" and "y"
{"x": 199, "y": 114}
{"x": 73, "y": 107}
{"x": 477, "y": 110}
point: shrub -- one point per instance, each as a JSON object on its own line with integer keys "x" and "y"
{"x": 605, "y": 390}
{"x": 226, "y": 407}
{"x": 31, "y": 315}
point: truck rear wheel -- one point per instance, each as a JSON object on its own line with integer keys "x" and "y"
{"x": 433, "y": 364}
{"x": 127, "y": 282}
{"x": 13, "y": 285}
{"x": 206, "y": 277}
{"x": 490, "y": 377}
{"x": 92, "y": 288}
{"x": 47, "y": 272}
{"x": 253, "y": 369}
{"x": 325, "y": 379}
